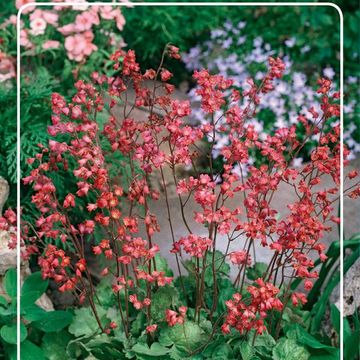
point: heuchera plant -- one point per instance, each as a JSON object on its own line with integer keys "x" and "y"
{"x": 165, "y": 140}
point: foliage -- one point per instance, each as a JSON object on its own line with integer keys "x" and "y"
{"x": 36, "y": 323}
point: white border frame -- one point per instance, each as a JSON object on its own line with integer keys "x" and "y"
{"x": 207, "y": 4}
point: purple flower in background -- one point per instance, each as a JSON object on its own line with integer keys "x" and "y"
{"x": 290, "y": 42}
{"x": 329, "y": 73}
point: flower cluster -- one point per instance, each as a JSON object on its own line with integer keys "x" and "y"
{"x": 193, "y": 245}
{"x": 77, "y": 37}
{"x": 86, "y": 149}
{"x": 8, "y": 223}
{"x": 245, "y": 317}
{"x": 173, "y": 318}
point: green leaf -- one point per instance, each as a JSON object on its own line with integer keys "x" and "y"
{"x": 84, "y": 322}
{"x": 222, "y": 268}
{"x": 256, "y": 271}
{"x": 265, "y": 340}
{"x": 335, "y": 317}
{"x": 10, "y": 283}
{"x": 9, "y": 333}
{"x": 247, "y": 351}
{"x": 34, "y": 282}
{"x": 305, "y": 338}
{"x": 104, "y": 347}
{"x": 186, "y": 337}
{"x": 54, "y": 321}
{"x": 162, "y": 265}
{"x": 163, "y": 299}
{"x": 30, "y": 351}
{"x": 351, "y": 346}
{"x": 3, "y": 301}
{"x": 138, "y": 325}
{"x": 287, "y": 349}
{"x": 155, "y": 350}
{"x": 54, "y": 345}
{"x": 263, "y": 344}
{"x": 33, "y": 313}
{"x": 28, "y": 299}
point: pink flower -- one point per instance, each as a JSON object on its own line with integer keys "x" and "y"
{"x": 50, "y": 17}
{"x": 165, "y": 75}
{"x": 37, "y": 26}
{"x": 51, "y": 44}
{"x": 120, "y": 20}
{"x": 67, "y": 29}
{"x": 7, "y": 67}
{"x": 79, "y": 46}
{"x": 194, "y": 245}
{"x": 308, "y": 285}
{"x": 69, "y": 201}
{"x": 108, "y": 12}
{"x": 151, "y": 328}
{"x": 240, "y": 257}
{"x": 24, "y": 39}
{"x": 86, "y": 20}
{"x": 173, "y": 318}
{"x": 20, "y": 3}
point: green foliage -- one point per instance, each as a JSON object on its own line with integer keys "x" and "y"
{"x": 84, "y": 323}
{"x": 34, "y": 320}
{"x": 186, "y": 338}
{"x": 289, "y": 349}
{"x": 164, "y": 298}
{"x": 351, "y": 335}
{"x": 256, "y": 271}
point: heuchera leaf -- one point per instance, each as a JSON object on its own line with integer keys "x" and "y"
{"x": 9, "y": 333}
{"x": 187, "y": 337}
{"x": 53, "y": 321}
{"x": 287, "y": 349}
{"x": 30, "y": 351}
{"x": 84, "y": 322}
{"x": 154, "y": 350}
{"x": 34, "y": 282}
{"x": 10, "y": 283}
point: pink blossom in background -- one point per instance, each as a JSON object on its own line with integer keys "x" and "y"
{"x": 49, "y": 17}
{"x": 51, "y": 44}
{"x": 24, "y": 39}
{"x": 38, "y": 26}
{"x": 108, "y": 12}
{"x": 78, "y": 35}
{"x": 79, "y": 46}
{"x": 20, "y": 3}
{"x": 10, "y": 21}
{"x": 86, "y": 20}
{"x": 67, "y": 29}
{"x": 120, "y": 20}
{"x": 7, "y": 67}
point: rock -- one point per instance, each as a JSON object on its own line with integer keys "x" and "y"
{"x": 352, "y": 289}
{"x": 4, "y": 192}
{"x": 7, "y": 256}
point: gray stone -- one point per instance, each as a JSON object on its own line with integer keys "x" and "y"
{"x": 7, "y": 256}
{"x": 4, "y": 193}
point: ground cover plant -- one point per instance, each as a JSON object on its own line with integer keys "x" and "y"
{"x": 139, "y": 309}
